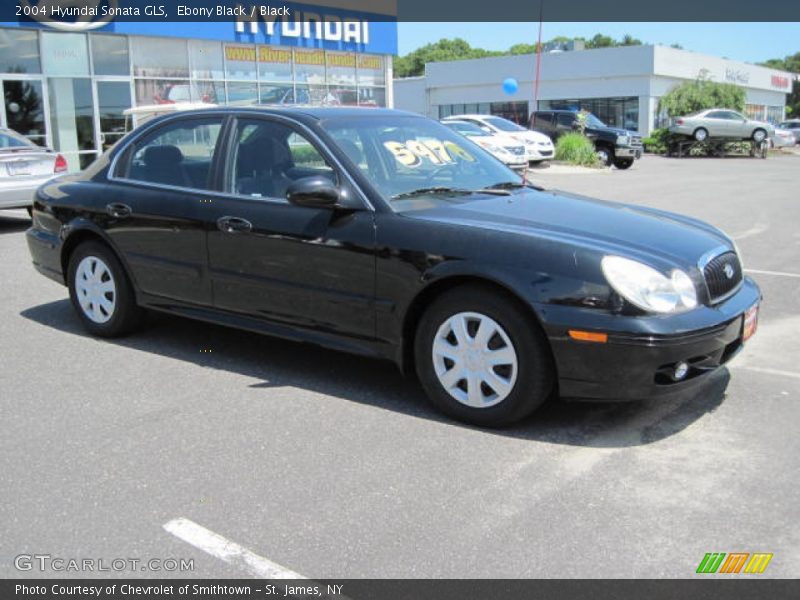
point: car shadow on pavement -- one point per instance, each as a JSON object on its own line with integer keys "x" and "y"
{"x": 278, "y": 363}
{"x": 14, "y": 225}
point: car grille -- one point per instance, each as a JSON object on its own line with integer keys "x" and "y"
{"x": 518, "y": 150}
{"x": 718, "y": 282}
{"x": 636, "y": 140}
{"x": 546, "y": 152}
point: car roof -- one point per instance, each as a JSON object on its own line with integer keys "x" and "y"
{"x": 314, "y": 113}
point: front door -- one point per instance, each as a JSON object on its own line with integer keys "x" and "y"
{"x": 298, "y": 266}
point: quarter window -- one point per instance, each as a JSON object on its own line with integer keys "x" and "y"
{"x": 178, "y": 154}
{"x": 268, "y": 156}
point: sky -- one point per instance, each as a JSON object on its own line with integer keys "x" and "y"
{"x": 749, "y": 42}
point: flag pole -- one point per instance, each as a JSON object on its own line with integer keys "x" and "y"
{"x": 538, "y": 60}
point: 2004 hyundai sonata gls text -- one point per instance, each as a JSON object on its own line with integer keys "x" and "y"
{"x": 384, "y": 233}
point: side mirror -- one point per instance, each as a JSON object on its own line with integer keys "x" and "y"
{"x": 315, "y": 192}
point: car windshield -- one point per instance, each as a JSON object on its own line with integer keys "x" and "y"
{"x": 467, "y": 129}
{"x": 592, "y": 121}
{"x": 413, "y": 156}
{"x": 503, "y": 124}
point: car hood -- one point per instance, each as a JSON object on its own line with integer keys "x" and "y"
{"x": 611, "y": 227}
{"x": 530, "y": 136}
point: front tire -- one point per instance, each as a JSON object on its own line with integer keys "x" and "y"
{"x": 481, "y": 358}
{"x": 100, "y": 291}
{"x": 605, "y": 155}
{"x": 623, "y": 163}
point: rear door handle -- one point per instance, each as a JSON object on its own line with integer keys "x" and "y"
{"x": 118, "y": 210}
{"x": 234, "y": 225}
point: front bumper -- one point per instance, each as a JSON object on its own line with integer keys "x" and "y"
{"x": 638, "y": 358}
{"x": 540, "y": 152}
{"x": 628, "y": 152}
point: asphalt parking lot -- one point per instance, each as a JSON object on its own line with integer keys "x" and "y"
{"x": 335, "y": 466}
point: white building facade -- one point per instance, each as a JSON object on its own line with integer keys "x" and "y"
{"x": 622, "y": 86}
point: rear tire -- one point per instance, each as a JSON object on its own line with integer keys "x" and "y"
{"x": 700, "y": 134}
{"x": 759, "y": 135}
{"x": 481, "y": 358}
{"x": 100, "y": 291}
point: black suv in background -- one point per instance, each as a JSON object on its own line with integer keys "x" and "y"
{"x": 618, "y": 147}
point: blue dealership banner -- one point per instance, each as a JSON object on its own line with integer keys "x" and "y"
{"x": 277, "y": 23}
{"x": 95, "y": 12}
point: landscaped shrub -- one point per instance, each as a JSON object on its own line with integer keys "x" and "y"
{"x": 658, "y": 141}
{"x": 576, "y": 149}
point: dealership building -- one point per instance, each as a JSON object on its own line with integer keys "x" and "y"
{"x": 622, "y": 86}
{"x": 65, "y": 85}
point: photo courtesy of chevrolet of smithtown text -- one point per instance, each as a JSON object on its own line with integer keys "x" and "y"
{"x": 359, "y": 299}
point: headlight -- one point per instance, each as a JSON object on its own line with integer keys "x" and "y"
{"x": 493, "y": 148}
{"x": 648, "y": 289}
{"x": 623, "y": 140}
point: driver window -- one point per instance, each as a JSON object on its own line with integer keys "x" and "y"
{"x": 267, "y": 157}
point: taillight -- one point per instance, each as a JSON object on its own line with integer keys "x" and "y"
{"x": 679, "y": 121}
{"x": 61, "y": 164}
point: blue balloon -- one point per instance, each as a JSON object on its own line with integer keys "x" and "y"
{"x": 510, "y": 86}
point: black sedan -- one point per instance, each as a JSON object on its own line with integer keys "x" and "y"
{"x": 386, "y": 234}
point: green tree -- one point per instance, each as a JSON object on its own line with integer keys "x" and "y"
{"x": 700, "y": 94}
{"x": 791, "y": 64}
{"x": 629, "y": 40}
{"x": 413, "y": 64}
{"x": 601, "y": 41}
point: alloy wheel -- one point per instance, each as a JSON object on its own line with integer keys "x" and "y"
{"x": 474, "y": 359}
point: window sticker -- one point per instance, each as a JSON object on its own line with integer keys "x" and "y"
{"x": 412, "y": 153}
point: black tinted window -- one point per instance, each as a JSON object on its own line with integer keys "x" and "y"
{"x": 179, "y": 154}
{"x": 565, "y": 119}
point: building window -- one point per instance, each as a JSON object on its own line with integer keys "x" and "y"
{"x": 274, "y": 64}
{"x": 513, "y": 111}
{"x": 110, "y": 54}
{"x": 371, "y": 70}
{"x": 309, "y": 66}
{"x": 240, "y": 62}
{"x": 205, "y": 59}
{"x": 615, "y": 112}
{"x": 25, "y": 109}
{"x": 160, "y": 57}
{"x": 19, "y": 51}
{"x": 65, "y": 54}
{"x": 341, "y": 68}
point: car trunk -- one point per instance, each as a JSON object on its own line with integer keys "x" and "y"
{"x": 21, "y": 164}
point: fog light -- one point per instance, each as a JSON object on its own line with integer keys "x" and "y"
{"x": 681, "y": 370}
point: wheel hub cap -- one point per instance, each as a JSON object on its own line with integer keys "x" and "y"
{"x": 95, "y": 289}
{"x": 474, "y": 360}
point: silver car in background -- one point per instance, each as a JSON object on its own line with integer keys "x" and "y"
{"x": 721, "y": 123}
{"x": 794, "y": 126}
{"x": 24, "y": 166}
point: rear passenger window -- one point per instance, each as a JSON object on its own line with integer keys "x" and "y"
{"x": 178, "y": 154}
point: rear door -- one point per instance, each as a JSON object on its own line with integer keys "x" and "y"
{"x": 564, "y": 123}
{"x": 299, "y": 266}
{"x": 157, "y": 204}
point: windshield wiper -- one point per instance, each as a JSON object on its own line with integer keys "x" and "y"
{"x": 431, "y": 190}
{"x": 510, "y": 185}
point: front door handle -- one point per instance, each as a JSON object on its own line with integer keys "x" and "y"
{"x": 234, "y": 225}
{"x": 119, "y": 210}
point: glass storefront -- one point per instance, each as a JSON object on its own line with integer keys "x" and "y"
{"x": 615, "y": 112}
{"x": 68, "y": 90}
{"x": 513, "y": 111}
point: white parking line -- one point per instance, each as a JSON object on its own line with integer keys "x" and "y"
{"x": 228, "y": 551}
{"x": 778, "y": 273}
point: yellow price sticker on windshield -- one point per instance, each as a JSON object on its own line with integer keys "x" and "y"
{"x": 413, "y": 152}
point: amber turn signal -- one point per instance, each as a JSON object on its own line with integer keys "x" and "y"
{"x": 588, "y": 336}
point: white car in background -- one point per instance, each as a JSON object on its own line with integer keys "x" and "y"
{"x": 507, "y": 149}
{"x": 538, "y": 146}
{"x": 24, "y": 166}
